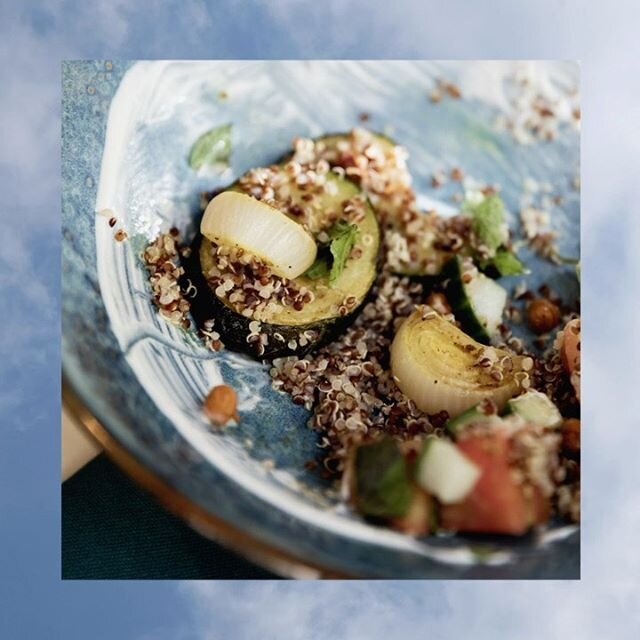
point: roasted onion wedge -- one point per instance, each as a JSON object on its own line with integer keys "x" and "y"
{"x": 440, "y": 367}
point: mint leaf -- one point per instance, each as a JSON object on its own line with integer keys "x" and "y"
{"x": 319, "y": 268}
{"x": 382, "y": 483}
{"x": 488, "y": 221}
{"x": 211, "y": 147}
{"x": 343, "y": 238}
{"x": 506, "y": 263}
{"x": 331, "y": 259}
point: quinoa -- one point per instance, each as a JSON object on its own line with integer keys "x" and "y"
{"x": 444, "y": 88}
{"x": 380, "y": 171}
{"x": 273, "y": 186}
{"x": 550, "y": 377}
{"x": 537, "y": 108}
{"x": 534, "y": 452}
{"x": 567, "y": 501}
{"x": 250, "y": 287}
{"x": 541, "y": 239}
{"x": 162, "y": 259}
{"x": 348, "y": 385}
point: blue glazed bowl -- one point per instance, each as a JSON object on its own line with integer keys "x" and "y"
{"x": 138, "y": 382}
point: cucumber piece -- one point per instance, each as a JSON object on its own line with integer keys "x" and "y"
{"x": 320, "y": 318}
{"x": 535, "y": 407}
{"x": 478, "y": 304}
{"x": 445, "y": 472}
{"x": 382, "y": 487}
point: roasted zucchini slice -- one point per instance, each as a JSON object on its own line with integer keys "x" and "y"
{"x": 334, "y": 296}
{"x": 378, "y": 164}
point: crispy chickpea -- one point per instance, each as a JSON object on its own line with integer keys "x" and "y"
{"x": 220, "y": 405}
{"x": 542, "y": 315}
{"x": 571, "y": 435}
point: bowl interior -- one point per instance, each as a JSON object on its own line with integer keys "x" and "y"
{"x": 117, "y": 351}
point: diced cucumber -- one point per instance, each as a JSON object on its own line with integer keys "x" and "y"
{"x": 535, "y": 407}
{"x": 445, "y": 472}
{"x": 478, "y": 304}
{"x": 382, "y": 487}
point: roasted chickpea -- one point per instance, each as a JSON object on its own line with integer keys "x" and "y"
{"x": 542, "y": 315}
{"x": 220, "y": 405}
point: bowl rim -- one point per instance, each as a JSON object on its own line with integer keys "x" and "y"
{"x": 282, "y": 562}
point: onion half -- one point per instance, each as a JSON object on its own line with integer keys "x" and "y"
{"x": 237, "y": 219}
{"x": 435, "y": 364}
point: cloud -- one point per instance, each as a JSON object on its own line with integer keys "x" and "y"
{"x": 606, "y": 603}
{"x": 438, "y": 610}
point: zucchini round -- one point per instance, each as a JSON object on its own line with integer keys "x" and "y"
{"x": 290, "y": 331}
{"x": 388, "y": 185}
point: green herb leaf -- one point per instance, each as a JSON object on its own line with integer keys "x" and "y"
{"x": 343, "y": 238}
{"x": 319, "y": 268}
{"x": 382, "y": 483}
{"x": 507, "y": 263}
{"x": 488, "y": 221}
{"x": 211, "y": 147}
{"x": 331, "y": 259}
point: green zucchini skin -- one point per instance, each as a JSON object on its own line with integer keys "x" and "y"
{"x": 234, "y": 327}
{"x": 460, "y": 303}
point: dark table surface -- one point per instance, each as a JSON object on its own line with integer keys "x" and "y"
{"x": 112, "y": 529}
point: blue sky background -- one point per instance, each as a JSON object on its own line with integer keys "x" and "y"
{"x": 35, "y": 37}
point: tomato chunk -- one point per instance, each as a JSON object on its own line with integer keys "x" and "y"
{"x": 497, "y": 503}
{"x": 570, "y": 352}
{"x": 570, "y": 347}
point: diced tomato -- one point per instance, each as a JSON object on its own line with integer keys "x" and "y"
{"x": 497, "y": 503}
{"x": 417, "y": 520}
